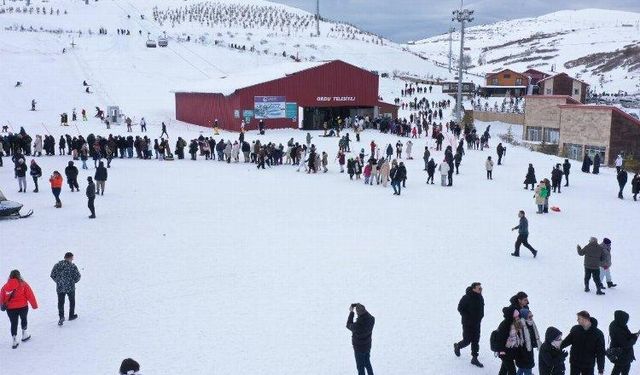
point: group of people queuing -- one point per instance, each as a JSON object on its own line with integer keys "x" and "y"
{"x": 516, "y": 337}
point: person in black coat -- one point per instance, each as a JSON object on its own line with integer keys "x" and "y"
{"x": 566, "y": 169}
{"x": 507, "y": 354}
{"x": 402, "y": 170}
{"x": 101, "y": 178}
{"x": 587, "y": 345}
{"x": 550, "y": 357}
{"x": 471, "y": 309}
{"x": 556, "y": 178}
{"x": 622, "y": 181}
{"x": 621, "y": 337}
{"x": 91, "y": 197}
{"x": 586, "y": 164}
{"x": 71, "y": 171}
{"x": 36, "y": 173}
{"x": 500, "y": 150}
{"x": 596, "y": 164}
{"x": 361, "y": 332}
{"x": 530, "y": 178}
{"x": 635, "y": 186}
{"x": 431, "y": 169}
{"x": 448, "y": 157}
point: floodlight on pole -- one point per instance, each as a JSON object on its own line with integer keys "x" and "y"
{"x": 463, "y": 16}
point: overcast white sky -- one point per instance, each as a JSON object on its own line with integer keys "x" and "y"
{"x": 403, "y": 20}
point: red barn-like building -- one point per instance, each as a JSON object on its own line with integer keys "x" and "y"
{"x": 288, "y": 95}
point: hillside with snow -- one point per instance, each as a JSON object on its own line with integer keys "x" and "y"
{"x": 601, "y": 47}
{"x": 207, "y": 41}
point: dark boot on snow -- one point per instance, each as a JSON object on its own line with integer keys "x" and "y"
{"x": 456, "y": 349}
{"x": 475, "y": 362}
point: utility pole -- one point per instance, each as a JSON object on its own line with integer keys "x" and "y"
{"x": 451, "y": 31}
{"x": 462, "y": 16}
{"x": 317, "y": 17}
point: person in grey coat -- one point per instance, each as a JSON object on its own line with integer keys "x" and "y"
{"x": 66, "y": 275}
{"x": 605, "y": 264}
{"x": 593, "y": 255}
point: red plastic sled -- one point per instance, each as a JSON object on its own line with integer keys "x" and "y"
{"x": 556, "y": 209}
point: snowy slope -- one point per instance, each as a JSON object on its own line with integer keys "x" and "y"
{"x": 561, "y": 39}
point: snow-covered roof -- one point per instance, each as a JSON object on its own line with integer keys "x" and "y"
{"x": 228, "y": 84}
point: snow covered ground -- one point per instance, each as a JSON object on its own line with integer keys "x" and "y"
{"x": 206, "y": 267}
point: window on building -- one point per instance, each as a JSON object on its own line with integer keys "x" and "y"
{"x": 494, "y": 81}
{"x": 534, "y": 133}
{"x": 506, "y": 75}
{"x": 548, "y": 92}
{"x": 551, "y": 135}
{"x": 518, "y": 81}
{"x": 576, "y": 92}
{"x": 572, "y": 151}
{"x": 593, "y": 150}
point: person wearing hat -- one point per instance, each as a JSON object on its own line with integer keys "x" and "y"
{"x": 510, "y": 339}
{"x": 605, "y": 264}
{"x": 129, "y": 367}
{"x": 550, "y": 357}
{"x": 91, "y": 197}
{"x": 361, "y": 331}
{"x": 593, "y": 253}
{"x": 471, "y": 309}
{"x": 621, "y": 337}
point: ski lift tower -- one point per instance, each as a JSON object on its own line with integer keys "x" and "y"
{"x": 462, "y": 16}
{"x": 317, "y": 17}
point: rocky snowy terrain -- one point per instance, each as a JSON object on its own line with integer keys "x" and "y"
{"x": 601, "y": 47}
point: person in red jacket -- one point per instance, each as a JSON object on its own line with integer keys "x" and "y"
{"x": 16, "y": 295}
{"x": 56, "y": 187}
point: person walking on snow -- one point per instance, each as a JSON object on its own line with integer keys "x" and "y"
{"x": 66, "y": 276}
{"x": 530, "y": 178}
{"x": 91, "y": 197}
{"x": 21, "y": 173}
{"x": 523, "y": 235}
{"x": 592, "y": 254}
{"x": 500, "y": 151}
{"x": 431, "y": 169}
{"x": 621, "y": 337}
{"x": 101, "y": 178}
{"x": 635, "y": 186}
{"x": 587, "y": 345}
{"x": 622, "y": 181}
{"x": 361, "y": 332}
{"x": 489, "y": 167}
{"x": 16, "y": 295}
{"x": 164, "y": 130}
{"x": 471, "y": 309}
{"x": 408, "y": 148}
{"x": 605, "y": 264}
{"x": 444, "y": 172}
{"x": 566, "y": 169}
{"x": 56, "y": 187}
{"x": 72, "y": 176}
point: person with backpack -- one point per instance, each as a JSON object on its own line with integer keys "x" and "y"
{"x": 66, "y": 276}
{"x": 471, "y": 309}
{"x": 593, "y": 255}
{"x": 361, "y": 331}
{"x": 550, "y": 357}
{"x": 507, "y": 340}
{"x": 15, "y": 297}
{"x": 587, "y": 346}
{"x": 623, "y": 340}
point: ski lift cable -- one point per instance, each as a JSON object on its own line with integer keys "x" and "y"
{"x": 182, "y": 45}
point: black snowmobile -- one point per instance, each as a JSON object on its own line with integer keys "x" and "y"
{"x": 10, "y": 209}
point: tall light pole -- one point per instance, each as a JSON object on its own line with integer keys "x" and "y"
{"x": 451, "y": 31}
{"x": 462, "y": 16}
{"x": 317, "y": 17}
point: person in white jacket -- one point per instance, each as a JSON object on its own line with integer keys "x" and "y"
{"x": 408, "y": 148}
{"x": 619, "y": 161}
{"x": 489, "y": 166}
{"x": 444, "y": 172}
